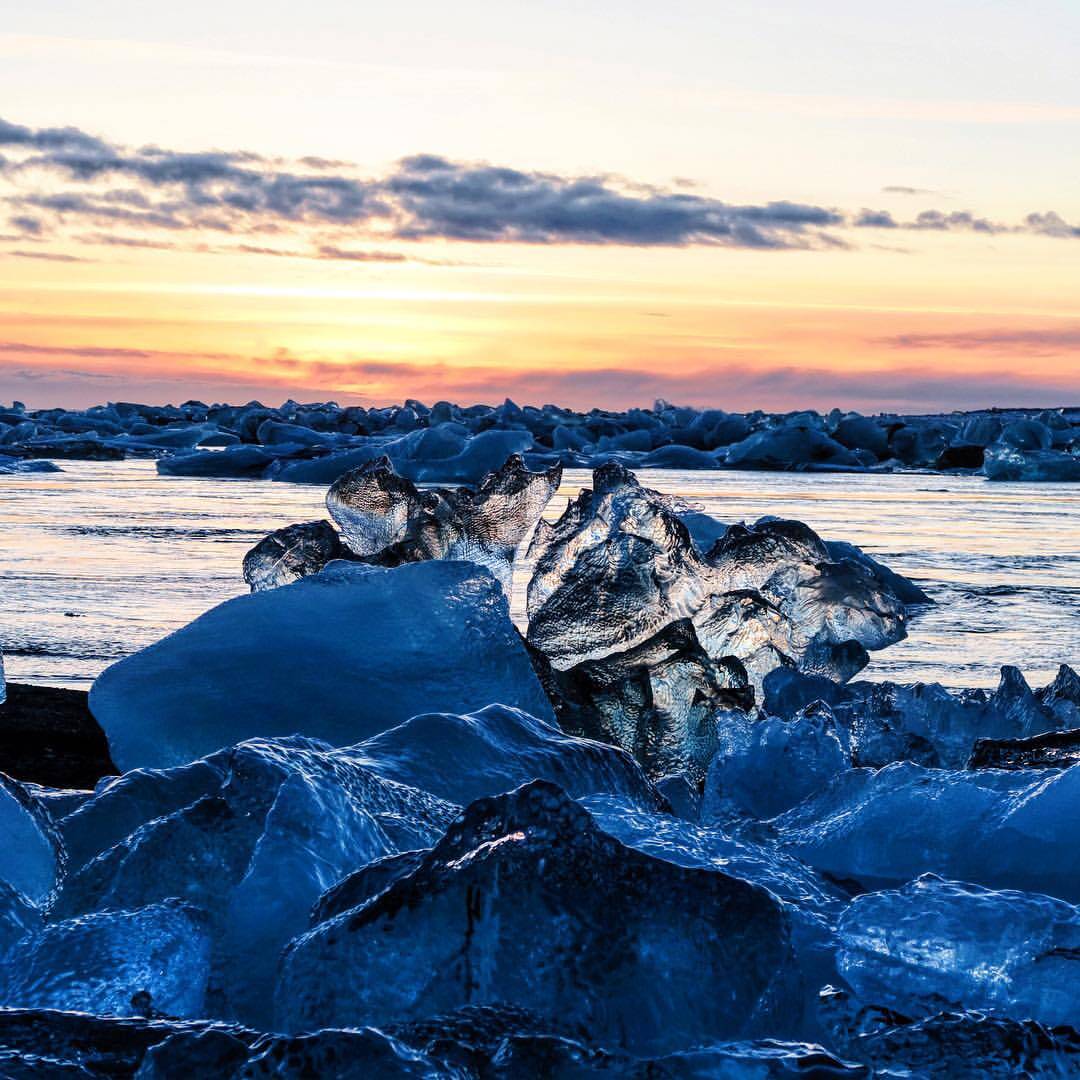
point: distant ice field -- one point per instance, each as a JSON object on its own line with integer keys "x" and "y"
{"x": 105, "y": 557}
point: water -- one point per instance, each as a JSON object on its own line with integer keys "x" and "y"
{"x": 106, "y": 557}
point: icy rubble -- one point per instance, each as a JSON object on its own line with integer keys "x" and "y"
{"x": 341, "y": 655}
{"x": 924, "y": 722}
{"x": 505, "y": 909}
{"x": 450, "y": 444}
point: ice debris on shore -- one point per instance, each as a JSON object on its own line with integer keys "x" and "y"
{"x": 446, "y": 443}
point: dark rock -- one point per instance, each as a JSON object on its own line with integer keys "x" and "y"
{"x": 48, "y": 736}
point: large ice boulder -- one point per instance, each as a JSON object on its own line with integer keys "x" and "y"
{"x": 338, "y": 656}
{"x": 525, "y": 902}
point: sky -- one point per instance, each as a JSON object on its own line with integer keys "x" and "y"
{"x": 746, "y": 205}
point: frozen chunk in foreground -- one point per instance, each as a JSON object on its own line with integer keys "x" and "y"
{"x": 526, "y": 902}
{"x": 118, "y": 963}
{"x": 338, "y": 656}
{"x": 462, "y": 758}
{"x": 31, "y": 857}
{"x": 940, "y": 944}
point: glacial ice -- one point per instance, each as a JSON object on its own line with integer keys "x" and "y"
{"x": 114, "y": 963}
{"x": 525, "y": 902}
{"x": 339, "y": 656}
{"x": 881, "y": 828}
{"x": 31, "y": 857}
{"x": 947, "y": 1044}
{"x": 270, "y": 826}
{"x": 451, "y": 444}
{"x": 764, "y": 767}
{"x": 937, "y": 944}
{"x": 386, "y": 518}
{"x": 289, "y": 554}
{"x": 462, "y": 758}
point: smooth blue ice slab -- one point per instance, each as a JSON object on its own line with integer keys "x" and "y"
{"x": 935, "y": 944}
{"x": 338, "y": 656}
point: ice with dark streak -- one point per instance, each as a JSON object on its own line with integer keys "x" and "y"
{"x": 526, "y": 902}
{"x": 261, "y": 831}
{"x": 937, "y": 944}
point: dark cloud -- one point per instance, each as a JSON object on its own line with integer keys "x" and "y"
{"x": 25, "y": 223}
{"x": 1051, "y": 224}
{"x": 330, "y": 251}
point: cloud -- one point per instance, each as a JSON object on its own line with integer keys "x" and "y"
{"x": 330, "y": 251}
{"x": 65, "y": 177}
{"x": 903, "y": 189}
{"x": 44, "y": 256}
{"x": 1032, "y": 342}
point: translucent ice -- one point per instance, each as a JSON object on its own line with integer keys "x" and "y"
{"x": 291, "y": 553}
{"x": 940, "y": 944}
{"x": 1003, "y": 830}
{"x": 31, "y": 856}
{"x": 526, "y": 902}
{"x": 388, "y": 519}
{"x": 657, "y": 700}
{"x": 341, "y": 656}
{"x": 284, "y": 820}
{"x": 767, "y": 766}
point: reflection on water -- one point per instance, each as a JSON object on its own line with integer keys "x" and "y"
{"x": 104, "y": 558}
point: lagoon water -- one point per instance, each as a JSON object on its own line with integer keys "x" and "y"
{"x": 105, "y": 557}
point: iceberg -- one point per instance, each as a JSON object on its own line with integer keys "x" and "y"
{"x": 288, "y": 554}
{"x": 461, "y": 758}
{"x": 32, "y": 859}
{"x": 340, "y": 656}
{"x": 271, "y": 826}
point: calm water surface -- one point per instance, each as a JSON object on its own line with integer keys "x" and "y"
{"x": 104, "y": 558}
